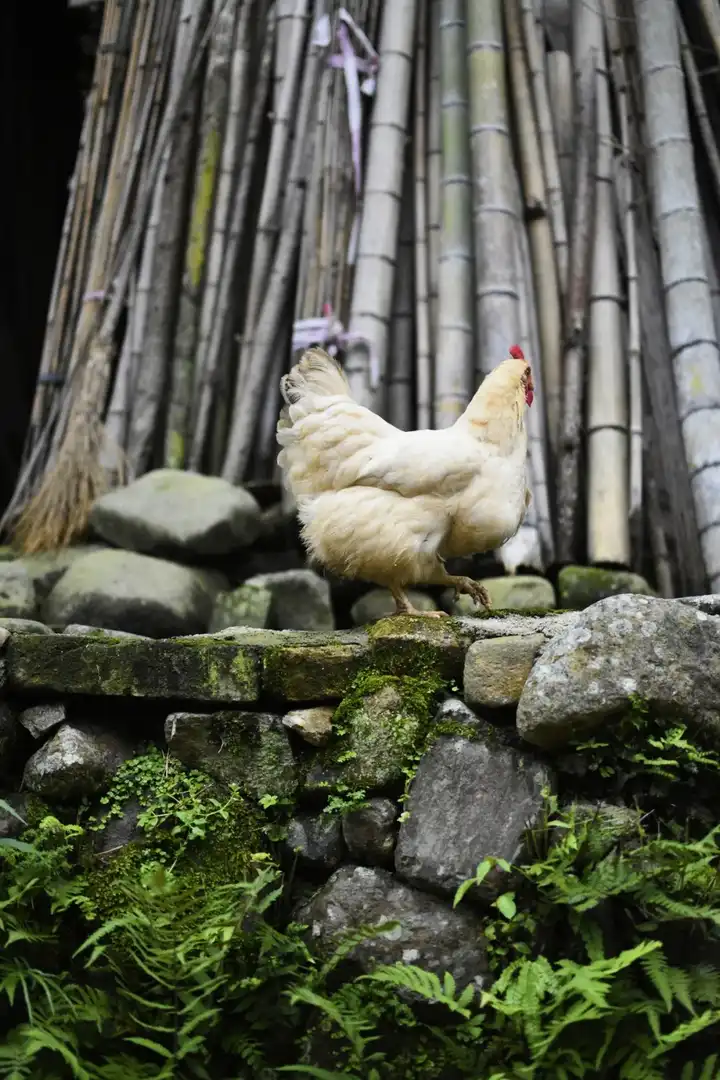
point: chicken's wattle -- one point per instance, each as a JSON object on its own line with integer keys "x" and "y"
{"x": 529, "y": 396}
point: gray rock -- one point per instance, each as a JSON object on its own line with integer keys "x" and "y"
{"x": 249, "y": 749}
{"x": 11, "y": 825}
{"x": 370, "y": 832}
{"x": 23, "y": 626}
{"x": 493, "y": 626}
{"x": 663, "y": 651}
{"x": 709, "y": 604}
{"x": 17, "y": 592}
{"x": 39, "y": 719}
{"x": 79, "y": 760}
{"x": 172, "y": 512}
{"x": 4, "y": 635}
{"x": 300, "y": 600}
{"x": 516, "y": 592}
{"x": 120, "y": 590}
{"x": 496, "y": 670}
{"x": 249, "y": 605}
{"x": 378, "y": 603}
{"x": 120, "y": 831}
{"x": 80, "y": 630}
{"x": 469, "y": 799}
{"x": 581, "y": 586}
{"x": 47, "y": 567}
{"x": 454, "y": 711}
{"x": 313, "y": 725}
{"x": 430, "y": 934}
{"x": 316, "y": 840}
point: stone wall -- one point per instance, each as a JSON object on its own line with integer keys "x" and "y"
{"x": 390, "y": 760}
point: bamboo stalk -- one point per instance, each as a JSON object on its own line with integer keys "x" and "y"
{"x": 423, "y": 356}
{"x": 539, "y": 231}
{"x": 261, "y": 366}
{"x": 546, "y": 137}
{"x": 434, "y": 168}
{"x": 494, "y": 214}
{"x": 454, "y": 359}
{"x": 209, "y": 351}
{"x": 560, "y": 87}
{"x": 400, "y": 403}
{"x": 581, "y": 243}
{"x": 687, "y": 293}
{"x": 608, "y": 525}
{"x": 377, "y": 245}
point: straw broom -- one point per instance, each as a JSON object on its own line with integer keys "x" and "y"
{"x": 372, "y": 295}
{"x": 687, "y": 293}
{"x": 454, "y": 360}
{"x": 608, "y": 526}
{"x": 58, "y": 511}
{"x": 494, "y": 213}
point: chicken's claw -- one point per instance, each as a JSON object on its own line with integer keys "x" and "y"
{"x": 477, "y": 592}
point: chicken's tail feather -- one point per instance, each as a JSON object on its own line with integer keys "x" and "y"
{"x": 315, "y": 373}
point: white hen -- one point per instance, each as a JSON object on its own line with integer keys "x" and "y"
{"x": 388, "y": 506}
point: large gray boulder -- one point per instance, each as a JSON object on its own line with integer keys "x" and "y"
{"x": 17, "y": 592}
{"x": 469, "y": 799}
{"x": 300, "y": 600}
{"x": 47, "y": 567}
{"x": 78, "y": 761}
{"x": 248, "y": 605}
{"x": 665, "y": 652}
{"x": 316, "y": 841}
{"x": 431, "y": 934}
{"x": 370, "y": 832}
{"x": 120, "y": 590}
{"x": 171, "y": 512}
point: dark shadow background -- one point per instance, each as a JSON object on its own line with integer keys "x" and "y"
{"x": 45, "y": 70}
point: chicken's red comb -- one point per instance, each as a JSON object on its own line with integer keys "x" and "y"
{"x": 516, "y": 352}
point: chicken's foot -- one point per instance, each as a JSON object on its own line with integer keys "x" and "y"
{"x": 462, "y": 584}
{"x": 404, "y": 607}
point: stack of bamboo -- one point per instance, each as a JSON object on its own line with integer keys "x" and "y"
{"x": 417, "y": 184}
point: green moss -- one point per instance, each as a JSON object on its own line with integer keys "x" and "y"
{"x": 580, "y": 586}
{"x": 378, "y": 731}
{"x": 417, "y": 647}
{"x": 207, "y": 832}
{"x": 181, "y": 669}
{"x": 311, "y": 672}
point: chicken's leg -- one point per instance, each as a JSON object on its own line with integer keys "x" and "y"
{"x": 404, "y": 607}
{"x": 462, "y": 584}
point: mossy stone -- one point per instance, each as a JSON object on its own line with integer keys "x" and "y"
{"x": 307, "y": 672}
{"x": 377, "y": 732}
{"x": 182, "y": 669}
{"x": 248, "y": 749}
{"x": 581, "y": 586}
{"x": 417, "y": 647}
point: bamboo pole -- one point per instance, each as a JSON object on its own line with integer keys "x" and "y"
{"x": 423, "y": 355}
{"x": 546, "y": 137}
{"x": 454, "y": 360}
{"x": 400, "y": 403}
{"x": 560, "y": 87}
{"x": 377, "y": 246}
{"x": 494, "y": 214}
{"x": 687, "y": 293}
{"x": 582, "y": 231}
{"x": 608, "y": 520}
{"x": 544, "y": 259}
{"x": 434, "y": 168}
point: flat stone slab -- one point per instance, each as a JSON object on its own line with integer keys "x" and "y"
{"x": 180, "y": 669}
